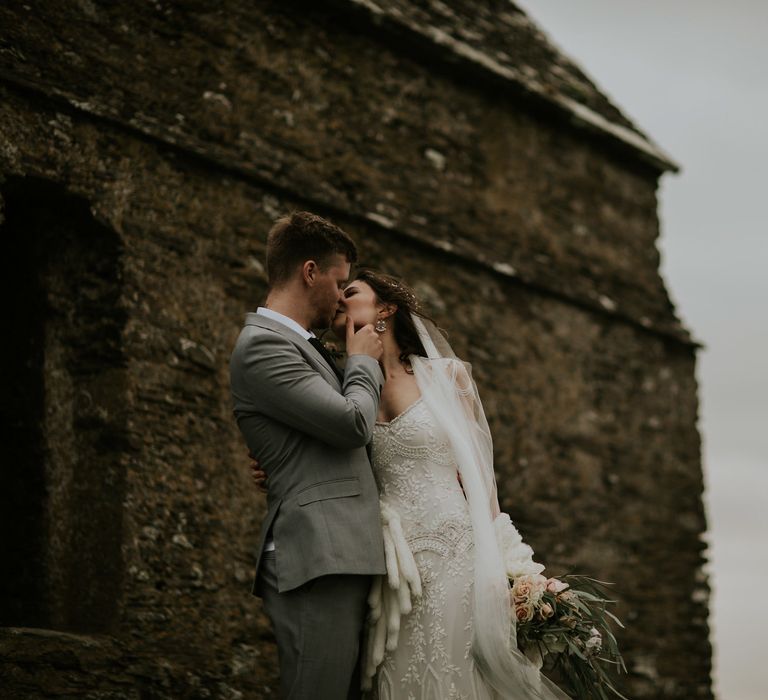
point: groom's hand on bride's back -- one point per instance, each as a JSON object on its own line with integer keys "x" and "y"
{"x": 258, "y": 475}
{"x": 366, "y": 341}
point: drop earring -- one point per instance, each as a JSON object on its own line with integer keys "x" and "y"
{"x": 381, "y": 325}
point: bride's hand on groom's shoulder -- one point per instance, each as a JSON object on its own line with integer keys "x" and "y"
{"x": 258, "y": 475}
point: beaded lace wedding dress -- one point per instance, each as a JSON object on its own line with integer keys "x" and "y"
{"x": 440, "y": 625}
{"x": 416, "y": 474}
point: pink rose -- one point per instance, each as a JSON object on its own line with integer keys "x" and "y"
{"x": 524, "y": 612}
{"x": 526, "y": 594}
{"x": 529, "y": 587}
{"x": 555, "y": 586}
{"x": 521, "y": 591}
{"x": 546, "y": 611}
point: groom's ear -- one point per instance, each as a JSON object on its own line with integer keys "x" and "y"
{"x": 309, "y": 272}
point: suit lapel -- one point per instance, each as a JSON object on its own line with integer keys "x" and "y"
{"x": 315, "y": 359}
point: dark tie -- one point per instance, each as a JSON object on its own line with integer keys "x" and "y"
{"x": 315, "y": 342}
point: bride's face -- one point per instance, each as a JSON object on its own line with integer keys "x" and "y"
{"x": 360, "y": 303}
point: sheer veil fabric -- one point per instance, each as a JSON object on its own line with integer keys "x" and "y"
{"x": 450, "y": 394}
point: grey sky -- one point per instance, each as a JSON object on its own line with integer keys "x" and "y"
{"x": 692, "y": 74}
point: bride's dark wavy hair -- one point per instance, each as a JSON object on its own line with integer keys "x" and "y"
{"x": 390, "y": 290}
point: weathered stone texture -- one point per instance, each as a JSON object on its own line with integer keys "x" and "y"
{"x": 340, "y": 117}
{"x": 175, "y": 135}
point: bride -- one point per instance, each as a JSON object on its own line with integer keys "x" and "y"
{"x": 440, "y": 624}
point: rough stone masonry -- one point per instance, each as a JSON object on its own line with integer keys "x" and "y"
{"x": 145, "y": 149}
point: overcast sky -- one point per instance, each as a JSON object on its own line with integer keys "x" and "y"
{"x": 692, "y": 75}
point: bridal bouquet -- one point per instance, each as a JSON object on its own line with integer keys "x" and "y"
{"x": 564, "y": 617}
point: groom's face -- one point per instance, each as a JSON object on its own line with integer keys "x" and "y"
{"x": 328, "y": 290}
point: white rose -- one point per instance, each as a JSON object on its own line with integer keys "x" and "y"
{"x": 594, "y": 642}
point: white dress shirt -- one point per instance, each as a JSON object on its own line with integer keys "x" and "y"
{"x": 280, "y": 318}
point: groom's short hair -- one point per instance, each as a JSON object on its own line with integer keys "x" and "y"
{"x": 302, "y": 236}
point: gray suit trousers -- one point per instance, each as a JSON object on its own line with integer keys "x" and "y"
{"x": 318, "y": 627}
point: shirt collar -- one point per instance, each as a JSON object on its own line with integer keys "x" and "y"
{"x": 289, "y": 322}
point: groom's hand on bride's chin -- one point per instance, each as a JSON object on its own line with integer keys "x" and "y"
{"x": 257, "y": 474}
{"x": 366, "y": 341}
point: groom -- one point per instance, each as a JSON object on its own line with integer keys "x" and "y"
{"x": 321, "y": 539}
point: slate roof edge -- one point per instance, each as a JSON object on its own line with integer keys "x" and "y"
{"x": 579, "y": 114}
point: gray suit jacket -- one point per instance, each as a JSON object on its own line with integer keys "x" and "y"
{"x": 310, "y": 435}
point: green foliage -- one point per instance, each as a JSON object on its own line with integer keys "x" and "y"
{"x": 572, "y": 627}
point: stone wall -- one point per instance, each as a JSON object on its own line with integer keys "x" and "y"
{"x": 145, "y": 151}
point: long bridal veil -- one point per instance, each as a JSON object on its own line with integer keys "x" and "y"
{"x": 450, "y": 394}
